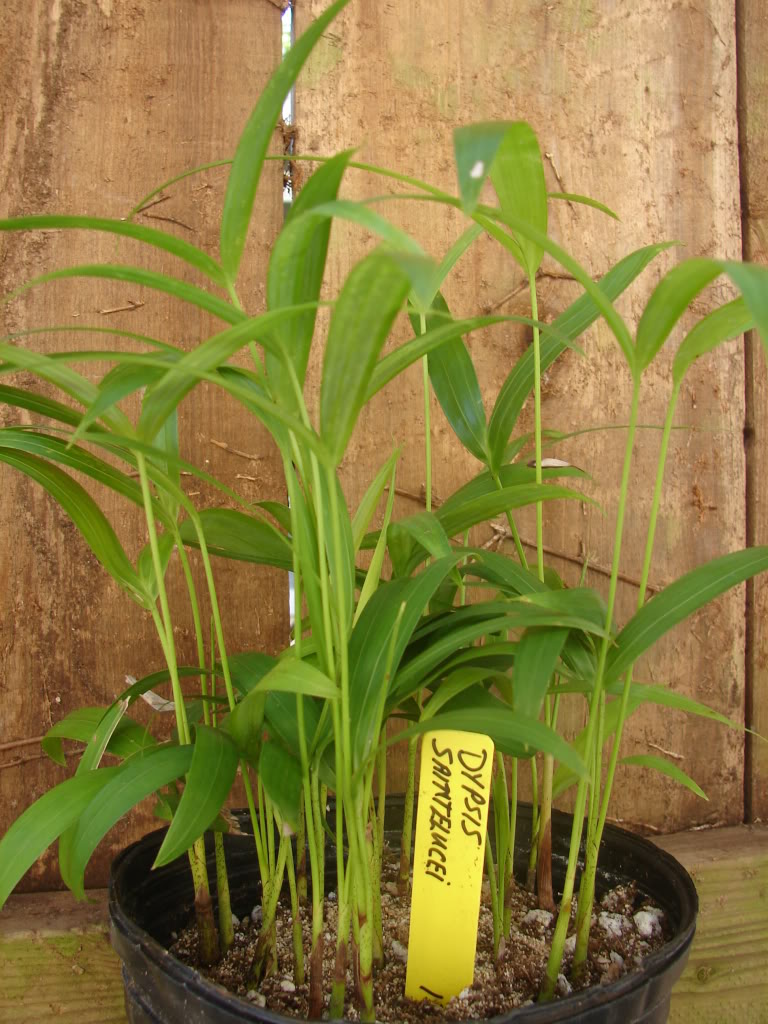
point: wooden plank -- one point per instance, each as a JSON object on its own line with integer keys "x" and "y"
{"x": 752, "y": 39}
{"x": 54, "y": 956}
{"x": 633, "y": 104}
{"x": 57, "y": 963}
{"x": 101, "y": 103}
{"x": 726, "y": 978}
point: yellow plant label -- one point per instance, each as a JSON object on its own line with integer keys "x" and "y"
{"x": 454, "y": 792}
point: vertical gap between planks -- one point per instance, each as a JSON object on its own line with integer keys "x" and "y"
{"x": 750, "y": 448}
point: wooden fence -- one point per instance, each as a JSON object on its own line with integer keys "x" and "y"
{"x": 657, "y": 108}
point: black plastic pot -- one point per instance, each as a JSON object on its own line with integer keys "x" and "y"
{"x": 146, "y": 906}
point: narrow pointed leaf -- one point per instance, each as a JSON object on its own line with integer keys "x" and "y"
{"x": 280, "y": 774}
{"x": 127, "y": 738}
{"x": 295, "y": 273}
{"x": 574, "y": 197}
{"x": 491, "y": 220}
{"x": 393, "y": 364}
{"x": 56, "y": 449}
{"x": 209, "y": 780}
{"x": 452, "y": 685}
{"x": 668, "y": 302}
{"x": 85, "y": 514}
{"x": 518, "y": 178}
{"x": 538, "y": 652}
{"x": 42, "y": 823}
{"x": 371, "y": 643}
{"x": 651, "y": 693}
{"x": 232, "y": 534}
{"x": 479, "y": 510}
{"x": 150, "y": 236}
{"x": 509, "y": 475}
{"x": 366, "y": 308}
{"x": 678, "y": 601}
{"x": 457, "y": 250}
{"x": 244, "y": 724}
{"x": 475, "y": 147}
{"x": 188, "y": 293}
{"x": 248, "y": 667}
{"x": 571, "y": 323}
{"x": 411, "y": 539}
{"x": 145, "y": 564}
{"x": 682, "y": 284}
{"x": 373, "y": 572}
{"x": 257, "y": 134}
{"x": 728, "y": 321}
{"x": 511, "y": 733}
{"x": 58, "y": 373}
{"x": 292, "y": 675}
{"x": 208, "y": 357}
{"x": 665, "y": 767}
{"x": 453, "y": 378}
{"x": 121, "y": 381}
{"x": 39, "y": 404}
{"x": 370, "y": 500}
{"x": 132, "y": 782}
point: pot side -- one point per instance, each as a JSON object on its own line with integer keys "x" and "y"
{"x": 146, "y": 906}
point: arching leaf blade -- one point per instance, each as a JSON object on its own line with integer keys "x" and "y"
{"x": 295, "y": 272}
{"x": 665, "y": 767}
{"x": 236, "y": 535}
{"x": 727, "y": 321}
{"x": 208, "y": 783}
{"x": 371, "y": 297}
{"x": 138, "y": 778}
{"x": 538, "y": 652}
{"x": 475, "y": 147}
{"x": 510, "y": 732}
{"x": 42, "y": 823}
{"x": 141, "y": 233}
{"x": 454, "y": 381}
{"x": 571, "y": 323}
{"x": 85, "y": 514}
{"x": 677, "y": 601}
{"x": 517, "y": 174}
{"x": 188, "y": 293}
{"x": 252, "y": 146}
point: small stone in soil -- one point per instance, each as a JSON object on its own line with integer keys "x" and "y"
{"x": 498, "y": 986}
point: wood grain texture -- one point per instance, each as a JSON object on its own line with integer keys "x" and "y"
{"x": 52, "y": 937}
{"x": 752, "y": 22}
{"x": 634, "y": 104}
{"x": 726, "y": 978}
{"x": 102, "y": 102}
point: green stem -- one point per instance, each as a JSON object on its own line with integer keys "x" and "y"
{"x": 208, "y": 938}
{"x": 537, "y": 423}
{"x": 558, "y": 939}
{"x": 265, "y": 961}
{"x": 512, "y": 528}
{"x": 427, "y": 421}
{"x": 509, "y": 870}
{"x": 496, "y": 910}
{"x": 298, "y": 943}
{"x": 534, "y": 854}
{"x": 364, "y": 901}
{"x": 406, "y": 838}
{"x": 226, "y": 928}
{"x": 587, "y": 890}
{"x": 301, "y": 856}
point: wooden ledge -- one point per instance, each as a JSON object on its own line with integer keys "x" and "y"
{"x": 56, "y": 962}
